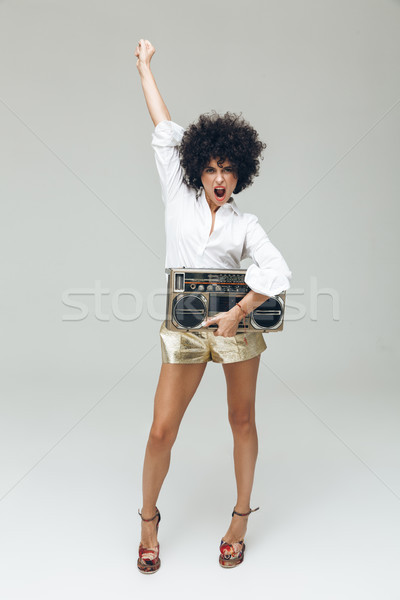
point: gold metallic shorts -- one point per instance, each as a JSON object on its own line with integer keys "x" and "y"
{"x": 202, "y": 346}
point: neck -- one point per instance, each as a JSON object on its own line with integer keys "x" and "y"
{"x": 212, "y": 206}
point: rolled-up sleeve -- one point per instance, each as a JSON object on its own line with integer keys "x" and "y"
{"x": 269, "y": 274}
{"x": 166, "y": 138}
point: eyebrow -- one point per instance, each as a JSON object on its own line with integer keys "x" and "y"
{"x": 223, "y": 167}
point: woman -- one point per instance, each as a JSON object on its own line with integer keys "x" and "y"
{"x": 199, "y": 170}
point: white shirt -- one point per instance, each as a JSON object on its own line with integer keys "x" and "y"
{"x": 188, "y": 220}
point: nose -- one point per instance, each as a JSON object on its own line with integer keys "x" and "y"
{"x": 219, "y": 178}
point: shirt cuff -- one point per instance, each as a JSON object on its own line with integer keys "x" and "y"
{"x": 267, "y": 281}
{"x": 167, "y": 133}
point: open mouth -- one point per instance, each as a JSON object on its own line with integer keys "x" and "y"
{"x": 219, "y": 193}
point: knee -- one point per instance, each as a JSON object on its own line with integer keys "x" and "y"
{"x": 162, "y": 436}
{"x": 242, "y": 422}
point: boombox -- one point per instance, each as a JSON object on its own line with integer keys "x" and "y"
{"x": 193, "y": 295}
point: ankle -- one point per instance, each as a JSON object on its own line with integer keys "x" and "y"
{"x": 242, "y": 508}
{"x": 148, "y": 512}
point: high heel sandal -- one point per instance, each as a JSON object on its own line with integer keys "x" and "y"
{"x": 149, "y": 558}
{"x": 232, "y": 555}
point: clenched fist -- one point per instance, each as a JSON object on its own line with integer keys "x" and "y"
{"x": 144, "y": 52}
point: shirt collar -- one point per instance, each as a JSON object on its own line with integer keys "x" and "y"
{"x": 233, "y": 206}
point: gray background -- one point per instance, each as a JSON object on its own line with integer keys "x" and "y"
{"x": 81, "y": 203}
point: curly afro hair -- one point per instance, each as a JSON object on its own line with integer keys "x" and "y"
{"x": 227, "y": 137}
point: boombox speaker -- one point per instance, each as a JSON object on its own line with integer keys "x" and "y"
{"x": 193, "y": 295}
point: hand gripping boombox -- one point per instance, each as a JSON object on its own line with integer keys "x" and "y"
{"x": 193, "y": 295}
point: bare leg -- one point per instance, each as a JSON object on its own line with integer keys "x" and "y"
{"x": 241, "y": 379}
{"x": 176, "y": 387}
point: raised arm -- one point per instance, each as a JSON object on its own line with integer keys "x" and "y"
{"x": 157, "y": 109}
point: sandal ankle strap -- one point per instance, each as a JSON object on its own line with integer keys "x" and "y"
{"x": 156, "y": 515}
{"x": 244, "y": 514}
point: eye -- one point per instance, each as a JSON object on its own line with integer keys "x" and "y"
{"x": 209, "y": 170}
{"x": 228, "y": 169}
